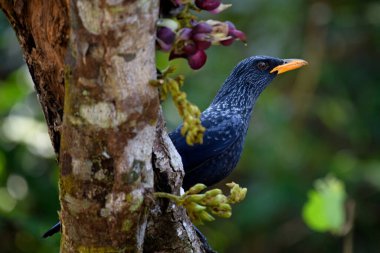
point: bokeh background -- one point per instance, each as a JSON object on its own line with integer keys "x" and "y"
{"x": 319, "y": 120}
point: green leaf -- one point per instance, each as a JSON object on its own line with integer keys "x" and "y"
{"x": 324, "y": 210}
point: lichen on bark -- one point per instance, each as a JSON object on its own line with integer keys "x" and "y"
{"x": 107, "y": 175}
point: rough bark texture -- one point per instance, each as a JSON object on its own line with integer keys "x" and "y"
{"x": 91, "y": 61}
{"x": 167, "y": 221}
{"x": 108, "y": 128}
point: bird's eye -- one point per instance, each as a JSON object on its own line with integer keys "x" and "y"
{"x": 262, "y": 66}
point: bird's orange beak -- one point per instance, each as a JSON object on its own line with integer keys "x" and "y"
{"x": 289, "y": 64}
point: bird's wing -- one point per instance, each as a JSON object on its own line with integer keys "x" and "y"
{"x": 217, "y": 138}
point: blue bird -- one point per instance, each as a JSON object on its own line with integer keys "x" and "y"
{"x": 226, "y": 121}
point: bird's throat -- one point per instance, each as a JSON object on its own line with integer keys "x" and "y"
{"x": 240, "y": 99}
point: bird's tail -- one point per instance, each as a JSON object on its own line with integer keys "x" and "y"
{"x": 53, "y": 230}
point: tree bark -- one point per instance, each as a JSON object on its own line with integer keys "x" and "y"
{"x": 108, "y": 127}
{"x": 167, "y": 221}
{"x": 91, "y": 62}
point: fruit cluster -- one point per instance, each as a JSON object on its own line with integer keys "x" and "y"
{"x": 184, "y": 36}
{"x": 201, "y": 206}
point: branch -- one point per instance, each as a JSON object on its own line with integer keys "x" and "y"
{"x": 168, "y": 221}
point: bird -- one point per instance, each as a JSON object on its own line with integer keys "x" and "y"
{"x": 226, "y": 121}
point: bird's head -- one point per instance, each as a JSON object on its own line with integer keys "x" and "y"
{"x": 260, "y": 70}
{"x": 252, "y": 75}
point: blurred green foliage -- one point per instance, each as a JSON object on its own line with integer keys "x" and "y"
{"x": 325, "y": 208}
{"x": 311, "y": 122}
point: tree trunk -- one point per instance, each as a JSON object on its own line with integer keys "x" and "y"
{"x": 108, "y": 127}
{"x": 91, "y": 62}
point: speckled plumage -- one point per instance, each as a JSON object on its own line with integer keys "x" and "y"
{"x": 226, "y": 121}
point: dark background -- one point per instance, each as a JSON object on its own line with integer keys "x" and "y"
{"x": 310, "y": 122}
